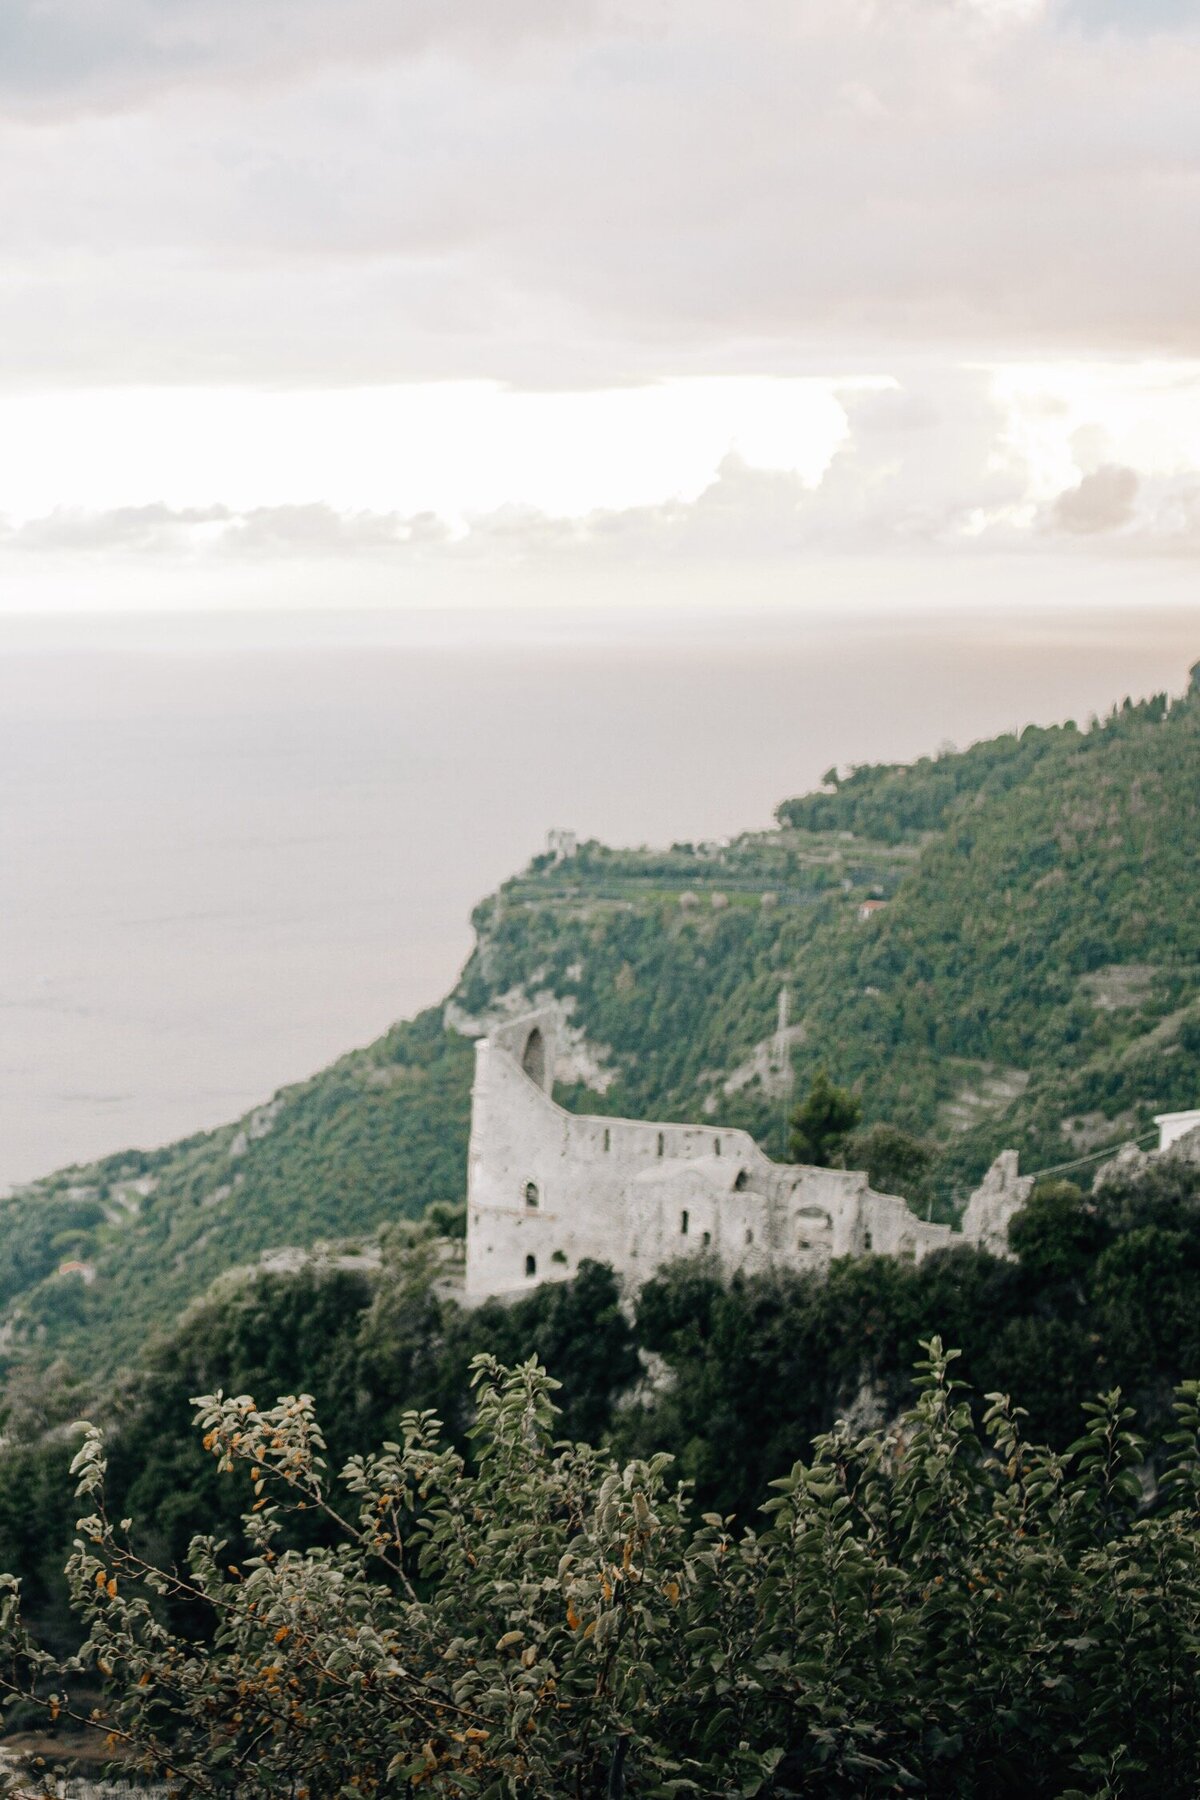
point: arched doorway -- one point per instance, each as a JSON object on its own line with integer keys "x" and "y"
{"x": 533, "y": 1058}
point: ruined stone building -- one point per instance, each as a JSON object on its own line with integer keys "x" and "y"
{"x": 547, "y": 1188}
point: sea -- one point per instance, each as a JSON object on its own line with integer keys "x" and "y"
{"x": 233, "y": 847}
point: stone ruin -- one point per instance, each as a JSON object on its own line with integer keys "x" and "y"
{"x": 547, "y": 1189}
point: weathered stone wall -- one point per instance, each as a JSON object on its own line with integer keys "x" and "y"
{"x": 547, "y": 1188}
{"x": 995, "y": 1202}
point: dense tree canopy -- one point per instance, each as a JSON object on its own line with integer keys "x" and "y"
{"x": 729, "y": 1376}
{"x": 822, "y": 1123}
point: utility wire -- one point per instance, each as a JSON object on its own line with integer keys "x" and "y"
{"x": 1081, "y": 1162}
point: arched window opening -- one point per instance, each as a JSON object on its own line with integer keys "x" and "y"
{"x": 662, "y": 1143}
{"x": 706, "y": 1240}
{"x": 532, "y": 1198}
{"x": 683, "y": 1224}
{"x": 740, "y": 1181}
{"x": 531, "y": 1265}
{"x": 533, "y": 1060}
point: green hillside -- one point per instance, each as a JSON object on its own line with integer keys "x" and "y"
{"x": 1033, "y": 979}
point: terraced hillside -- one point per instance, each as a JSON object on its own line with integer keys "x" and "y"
{"x": 999, "y": 946}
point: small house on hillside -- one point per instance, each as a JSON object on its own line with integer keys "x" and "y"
{"x": 85, "y": 1271}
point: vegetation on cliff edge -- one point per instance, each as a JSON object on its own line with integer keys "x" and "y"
{"x": 1031, "y": 980}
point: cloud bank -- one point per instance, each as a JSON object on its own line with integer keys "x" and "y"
{"x": 327, "y": 283}
{"x": 919, "y": 472}
{"x": 563, "y": 192}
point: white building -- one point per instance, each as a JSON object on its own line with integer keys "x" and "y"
{"x": 1173, "y": 1126}
{"x": 547, "y": 1188}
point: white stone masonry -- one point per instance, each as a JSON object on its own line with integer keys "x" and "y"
{"x": 547, "y": 1188}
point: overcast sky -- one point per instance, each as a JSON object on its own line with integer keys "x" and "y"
{"x": 335, "y": 302}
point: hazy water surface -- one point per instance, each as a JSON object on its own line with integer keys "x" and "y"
{"x": 227, "y": 855}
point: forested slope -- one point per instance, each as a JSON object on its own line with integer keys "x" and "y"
{"x": 1031, "y": 980}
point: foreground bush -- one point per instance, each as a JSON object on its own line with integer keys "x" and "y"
{"x": 925, "y": 1611}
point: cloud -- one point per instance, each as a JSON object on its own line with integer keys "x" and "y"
{"x": 1102, "y": 501}
{"x": 1131, "y": 17}
{"x": 64, "y": 56}
{"x": 320, "y": 530}
{"x": 556, "y": 193}
{"x": 285, "y": 532}
{"x": 118, "y": 528}
{"x": 925, "y": 469}
{"x": 947, "y": 465}
{"x": 754, "y": 537}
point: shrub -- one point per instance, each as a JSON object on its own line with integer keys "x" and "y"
{"x": 932, "y": 1610}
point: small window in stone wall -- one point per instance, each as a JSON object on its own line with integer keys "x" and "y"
{"x": 532, "y": 1197}
{"x": 741, "y": 1180}
{"x": 662, "y": 1143}
{"x": 716, "y": 1146}
{"x": 560, "y": 1256}
{"x": 683, "y": 1224}
{"x": 531, "y": 1265}
{"x": 607, "y": 1138}
{"x": 706, "y": 1240}
{"x": 866, "y": 1240}
{"x": 749, "y": 1235}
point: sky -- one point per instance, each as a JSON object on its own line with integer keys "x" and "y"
{"x": 865, "y": 304}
